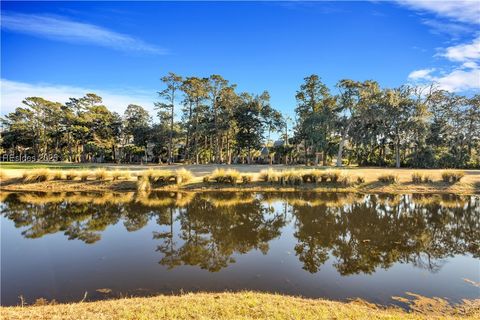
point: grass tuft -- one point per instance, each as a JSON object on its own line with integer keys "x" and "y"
{"x": 38, "y": 175}
{"x": 101, "y": 174}
{"x": 229, "y": 176}
{"x": 452, "y": 176}
{"x": 388, "y": 178}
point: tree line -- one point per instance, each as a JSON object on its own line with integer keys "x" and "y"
{"x": 205, "y": 120}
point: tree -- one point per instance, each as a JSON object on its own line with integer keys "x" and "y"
{"x": 166, "y": 111}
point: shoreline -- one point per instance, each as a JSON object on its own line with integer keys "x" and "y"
{"x": 243, "y": 305}
{"x": 15, "y": 184}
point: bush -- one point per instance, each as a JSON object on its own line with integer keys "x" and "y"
{"x": 388, "y": 178}
{"x": 3, "y": 176}
{"x": 452, "y": 176}
{"x": 206, "y": 179}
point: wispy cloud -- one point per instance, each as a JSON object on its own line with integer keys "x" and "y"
{"x": 463, "y": 52}
{"x": 13, "y": 92}
{"x": 63, "y": 29}
{"x": 454, "y": 18}
{"x": 466, "y": 11}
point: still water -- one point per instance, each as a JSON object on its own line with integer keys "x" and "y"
{"x": 338, "y": 246}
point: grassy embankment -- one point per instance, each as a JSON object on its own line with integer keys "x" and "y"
{"x": 69, "y": 177}
{"x": 242, "y": 305}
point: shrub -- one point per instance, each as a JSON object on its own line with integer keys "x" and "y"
{"x": 388, "y": 178}
{"x": 452, "y": 176}
{"x": 230, "y": 176}
{"x": 206, "y": 179}
{"x": 3, "y": 175}
{"x": 101, "y": 174}
{"x": 183, "y": 175}
{"x": 38, "y": 175}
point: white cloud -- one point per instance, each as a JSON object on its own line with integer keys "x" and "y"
{"x": 63, "y": 29}
{"x": 463, "y": 78}
{"x": 460, "y": 80}
{"x": 14, "y": 92}
{"x": 463, "y": 74}
{"x": 464, "y": 52}
{"x": 463, "y": 11}
{"x": 420, "y": 74}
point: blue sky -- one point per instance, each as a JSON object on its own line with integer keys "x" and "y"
{"x": 121, "y": 49}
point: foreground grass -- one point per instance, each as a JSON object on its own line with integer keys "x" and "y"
{"x": 242, "y": 305}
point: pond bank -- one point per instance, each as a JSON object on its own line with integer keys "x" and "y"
{"x": 460, "y": 188}
{"x": 241, "y": 305}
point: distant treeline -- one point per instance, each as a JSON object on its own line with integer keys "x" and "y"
{"x": 205, "y": 120}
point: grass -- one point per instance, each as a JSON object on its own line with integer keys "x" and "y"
{"x": 248, "y": 178}
{"x": 241, "y": 305}
{"x": 229, "y": 176}
{"x": 150, "y": 179}
{"x": 452, "y": 176}
{"x": 101, "y": 174}
{"x": 388, "y": 178}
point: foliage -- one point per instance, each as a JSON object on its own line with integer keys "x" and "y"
{"x": 206, "y": 120}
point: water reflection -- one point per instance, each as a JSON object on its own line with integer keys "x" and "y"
{"x": 360, "y": 232}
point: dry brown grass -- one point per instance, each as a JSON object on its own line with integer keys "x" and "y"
{"x": 242, "y": 305}
{"x": 365, "y": 180}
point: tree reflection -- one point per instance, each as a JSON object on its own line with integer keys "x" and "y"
{"x": 359, "y": 232}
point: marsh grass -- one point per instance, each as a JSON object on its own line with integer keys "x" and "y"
{"x": 229, "y": 176}
{"x": 153, "y": 178}
{"x": 247, "y": 178}
{"x": 421, "y": 177}
{"x": 38, "y": 175}
{"x": 101, "y": 174}
{"x": 268, "y": 175}
{"x": 120, "y": 175}
{"x": 388, "y": 178}
{"x": 84, "y": 175}
{"x": 71, "y": 174}
{"x": 452, "y": 176}
{"x": 183, "y": 176}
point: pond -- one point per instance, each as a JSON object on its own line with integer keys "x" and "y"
{"x": 64, "y": 246}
